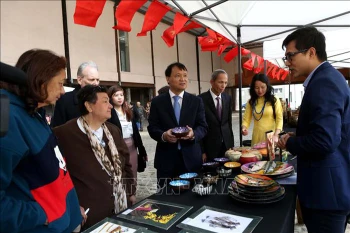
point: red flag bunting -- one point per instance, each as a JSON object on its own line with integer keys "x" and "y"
{"x": 249, "y": 65}
{"x": 284, "y": 75}
{"x": 278, "y": 74}
{"x": 87, "y": 12}
{"x": 273, "y": 71}
{"x": 245, "y": 51}
{"x": 125, "y": 12}
{"x": 231, "y": 54}
{"x": 170, "y": 33}
{"x": 213, "y": 41}
{"x": 190, "y": 26}
{"x": 154, "y": 14}
{"x": 260, "y": 65}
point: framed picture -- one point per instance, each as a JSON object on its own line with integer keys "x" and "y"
{"x": 110, "y": 225}
{"x": 155, "y": 213}
{"x": 208, "y": 219}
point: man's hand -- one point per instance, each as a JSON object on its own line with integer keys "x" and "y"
{"x": 283, "y": 141}
{"x": 245, "y": 131}
{"x": 190, "y": 134}
{"x": 82, "y": 211}
{"x": 169, "y": 137}
{"x": 132, "y": 199}
{"x": 204, "y": 157}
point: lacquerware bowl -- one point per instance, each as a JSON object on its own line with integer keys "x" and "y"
{"x": 222, "y": 160}
{"x": 180, "y": 185}
{"x": 224, "y": 172}
{"x": 180, "y": 131}
{"x": 210, "y": 166}
{"x": 210, "y": 178}
{"x": 202, "y": 189}
{"x": 188, "y": 176}
{"x": 232, "y": 165}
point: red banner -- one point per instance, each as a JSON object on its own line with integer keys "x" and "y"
{"x": 87, "y": 12}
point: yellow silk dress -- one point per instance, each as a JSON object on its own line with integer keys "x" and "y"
{"x": 263, "y": 120}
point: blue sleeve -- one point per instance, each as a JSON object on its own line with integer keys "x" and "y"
{"x": 15, "y": 215}
{"x": 324, "y": 114}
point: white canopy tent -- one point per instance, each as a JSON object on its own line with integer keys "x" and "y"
{"x": 265, "y": 20}
{"x": 247, "y": 22}
{"x": 337, "y": 46}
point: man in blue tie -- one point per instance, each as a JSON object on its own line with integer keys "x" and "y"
{"x": 173, "y": 109}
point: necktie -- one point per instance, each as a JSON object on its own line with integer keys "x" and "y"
{"x": 177, "y": 108}
{"x": 218, "y": 107}
{"x": 177, "y": 114}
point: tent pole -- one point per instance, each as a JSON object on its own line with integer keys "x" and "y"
{"x": 240, "y": 83}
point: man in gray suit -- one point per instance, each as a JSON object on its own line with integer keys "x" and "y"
{"x": 218, "y": 114}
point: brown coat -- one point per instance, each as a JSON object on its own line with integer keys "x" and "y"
{"x": 90, "y": 180}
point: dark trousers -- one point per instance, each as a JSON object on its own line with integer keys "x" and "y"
{"x": 324, "y": 221}
{"x": 165, "y": 176}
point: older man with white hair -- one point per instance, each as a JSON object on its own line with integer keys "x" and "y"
{"x": 66, "y": 107}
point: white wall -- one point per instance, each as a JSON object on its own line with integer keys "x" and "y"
{"x": 30, "y": 24}
{"x": 95, "y": 44}
{"x": 140, "y": 54}
{"x": 187, "y": 56}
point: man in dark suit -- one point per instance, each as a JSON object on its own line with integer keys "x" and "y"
{"x": 66, "y": 107}
{"x": 218, "y": 114}
{"x": 322, "y": 140}
{"x": 172, "y": 109}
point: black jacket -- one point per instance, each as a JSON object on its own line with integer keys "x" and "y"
{"x": 142, "y": 154}
{"x": 66, "y": 108}
{"x": 218, "y": 131}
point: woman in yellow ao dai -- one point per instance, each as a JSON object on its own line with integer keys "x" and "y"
{"x": 260, "y": 108}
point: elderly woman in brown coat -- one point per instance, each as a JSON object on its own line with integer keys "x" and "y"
{"x": 97, "y": 157}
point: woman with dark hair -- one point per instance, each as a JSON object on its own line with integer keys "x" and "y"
{"x": 97, "y": 157}
{"x": 36, "y": 191}
{"x": 122, "y": 117}
{"x": 265, "y": 108}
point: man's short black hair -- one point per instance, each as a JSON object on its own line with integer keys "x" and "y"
{"x": 306, "y": 38}
{"x": 170, "y": 68}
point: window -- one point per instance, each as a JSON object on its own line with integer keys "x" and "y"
{"x": 277, "y": 90}
{"x": 124, "y": 51}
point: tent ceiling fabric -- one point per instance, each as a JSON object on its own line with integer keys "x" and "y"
{"x": 337, "y": 46}
{"x": 266, "y": 20}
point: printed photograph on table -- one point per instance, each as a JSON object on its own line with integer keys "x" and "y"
{"x": 155, "y": 213}
{"x": 208, "y": 219}
{"x": 109, "y": 225}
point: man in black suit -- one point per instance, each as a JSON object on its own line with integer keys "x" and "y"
{"x": 172, "y": 109}
{"x": 218, "y": 114}
{"x": 66, "y": 107}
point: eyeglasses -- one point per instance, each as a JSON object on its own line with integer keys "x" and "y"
{"x": 290, "y": 55}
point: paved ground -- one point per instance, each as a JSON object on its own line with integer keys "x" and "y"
{"x": 147, "y": 179}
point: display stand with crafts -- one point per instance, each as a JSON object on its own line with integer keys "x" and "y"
{"x": 257, "y": 189}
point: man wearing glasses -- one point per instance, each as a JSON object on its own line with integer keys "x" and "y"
{"x": 66, "y": 107}
{"x": 322, "y": 140}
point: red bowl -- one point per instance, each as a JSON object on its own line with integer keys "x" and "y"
{"x": 247, "y": 159}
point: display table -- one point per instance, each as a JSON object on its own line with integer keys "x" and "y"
{"x": 277, "y": 217}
